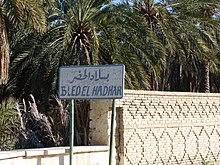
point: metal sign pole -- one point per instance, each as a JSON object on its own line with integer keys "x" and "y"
{"x": 112, "y": 132}
{"x": 71, "y": 131}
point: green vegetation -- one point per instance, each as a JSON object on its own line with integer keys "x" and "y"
{"x": 207, "y": 163}
{"x": 169, "y": 45}
{"x": 9, "y": 124}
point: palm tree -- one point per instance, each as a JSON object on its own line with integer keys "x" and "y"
{"x": 198, "y": 41}
{"x": 136, "y": 46}
{"x": 185, "y": 29}
{"x": 162, "y": 25}
{"x": 12, "y": 14}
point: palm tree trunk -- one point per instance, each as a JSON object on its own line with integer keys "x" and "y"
{"x": 165, "y": 74}
{"x": 4, "y": 52}
{"x": 180, "y": 83}
{"x": 206, "y": 77}
{"x": 205, "y": 86}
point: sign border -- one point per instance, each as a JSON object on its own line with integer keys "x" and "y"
{"x": 89, "y": 66}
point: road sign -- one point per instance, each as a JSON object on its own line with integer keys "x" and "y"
{"x": 91, "y": 82}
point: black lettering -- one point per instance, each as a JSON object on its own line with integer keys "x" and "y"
{"x": 94, "y": 91}
{"x": 63, "y": 91}
{"x": 114, "y": 91}
{"x": 73, "y": 90}
{"x": 110, "y": 88}
{"x": 119, "y": 90}
{"x": 105, "y": 91}
{"x": 100, "y": 91}
{"x": 84, "y": 90}
{"x": 87, "y": 92}
{"x": 78, "y": 90}
{"x": 68, "y": 90}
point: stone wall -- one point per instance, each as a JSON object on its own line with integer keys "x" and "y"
{"x": 100, "y": 116}
{"x": 167, "y": 128}
{"x": 100, "y": 125}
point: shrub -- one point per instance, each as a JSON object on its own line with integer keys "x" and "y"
{"x": 9, "y": 124}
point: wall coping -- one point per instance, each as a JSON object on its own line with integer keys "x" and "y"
{"x": 50, "y": 152}
{"x": 169, "y": 93}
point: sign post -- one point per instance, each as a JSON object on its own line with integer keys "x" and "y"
{"x": 71, "y": 131}
{"x": 112, "y": 131}
{"x": 91, "y": 82}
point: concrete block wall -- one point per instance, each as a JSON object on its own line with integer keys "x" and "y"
{"x": 100, "y": 125}
{"x": 100, "y": 121}
{"x": 167, "y": 128}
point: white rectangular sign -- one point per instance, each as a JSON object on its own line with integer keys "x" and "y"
{"x": 91, "y": 82}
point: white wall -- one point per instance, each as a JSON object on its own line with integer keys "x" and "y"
{"x": 83, "y": 155}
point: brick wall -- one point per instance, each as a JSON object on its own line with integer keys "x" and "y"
{"x": 167, "y": 128}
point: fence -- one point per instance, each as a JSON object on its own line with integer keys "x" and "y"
{"x": 83, "y": 155}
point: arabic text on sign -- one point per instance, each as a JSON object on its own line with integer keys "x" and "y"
{"x": 87, "y": 75}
